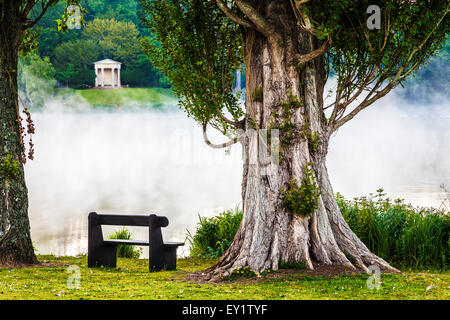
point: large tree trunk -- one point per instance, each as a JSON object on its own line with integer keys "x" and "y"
{"x": 283, "y": 95}
{"x": 15, "y": 241}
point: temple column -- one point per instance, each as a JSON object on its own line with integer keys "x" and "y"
{"x": 103, "y": 77}
{"x": 96, "y": 77}
{"x": 112, "y": 77}
{"x": 118, "y": 77}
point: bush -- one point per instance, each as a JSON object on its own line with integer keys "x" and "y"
{"x": 125, "y": 251}
{"x": 214, "y": 235}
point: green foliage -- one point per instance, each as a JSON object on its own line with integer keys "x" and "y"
{"x": 214, "y": 235}
{"x": 125, "y": 251}
{"x": 67, "y": 75}
{"x": 312, "y": 137}
{"x": 49, "y": 39}
{"x": 122, "y": 10}
{"x": 287, "y": 126}
{"x": 199, "y": 50}
{"x": 114, "y": 27}
{"x": 117, "y": 40}
{"x": 35, "y": 79}
{"x": 246, "y": 273}
{"x": 291, "y": 265}
{"x": 9, "y": 168}
{"x": 302, "y": 200}
{"x": 397, "y": 232}
{"x": 106, "y": 38}
{"x": 411, "y": 32}
{"x": 139, "y": 71}
{"x": 30, "y": 36}
{"x": 29, "y": 42}
{"x": 81, "y": 54}
{"x": 189, "y": 51}
{"x": 243, "y": 272}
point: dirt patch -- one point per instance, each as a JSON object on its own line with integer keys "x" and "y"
{"x": 330, "y": 271}
{"x": 319, "y": 271}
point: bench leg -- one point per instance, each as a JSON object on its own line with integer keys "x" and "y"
{"x": 170, "y": 258}
{"x": 166, "y": 261}
{"x": 103, "y": 255}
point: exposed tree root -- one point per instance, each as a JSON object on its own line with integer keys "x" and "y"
{"x": 333, "y": 243}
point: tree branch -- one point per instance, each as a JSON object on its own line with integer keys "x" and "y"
{"x": 260, "y": 23}
{"x": 367, "y": 102}
{"x": 217, "y": 146}
{"x": 28, "y": 6}
{"x": 30, "y": 23}
{"x": 233, "y": 16}
{"x": 304, "y": 58}
{"x": 237, "y": 124}
{"x": 398, "y": 77}
{"x": 302, "y": 16}
{"x": 338, "y": 106}
{"x": 413, "y": 52}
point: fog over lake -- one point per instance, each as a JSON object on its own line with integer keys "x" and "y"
{"x": 144, "y": 161}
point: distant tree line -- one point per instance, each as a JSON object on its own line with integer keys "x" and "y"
{"x": 112, "y": 30}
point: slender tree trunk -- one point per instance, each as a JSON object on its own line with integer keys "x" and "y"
{"x": 15, "y": 241}
{"x": 284, "y": 95}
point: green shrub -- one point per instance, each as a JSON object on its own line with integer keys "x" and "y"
{"x": 214, "y": 235}
{"x": 125, "y": 251}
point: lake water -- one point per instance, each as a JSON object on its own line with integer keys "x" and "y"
{"x": 157, "y": 162}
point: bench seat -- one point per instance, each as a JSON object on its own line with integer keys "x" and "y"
{"x": 140, "y": 243}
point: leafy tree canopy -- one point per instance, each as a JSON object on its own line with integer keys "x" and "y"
{"x": 198, "y": 45}
{"x": 80, "y": 54}
{"x": 117, "y": 40}
{"x": 198, "y": 48}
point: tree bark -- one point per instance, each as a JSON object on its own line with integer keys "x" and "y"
{"x": 281, "y": 94}
{"x": 15, "y": 241}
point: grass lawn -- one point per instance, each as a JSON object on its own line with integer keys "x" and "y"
{"x": 131, "y": 280}
{"x": 123, "y": 96}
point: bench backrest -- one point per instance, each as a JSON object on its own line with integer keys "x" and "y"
{"x": 152, "y": 221}
{"x": 130, "y": 220}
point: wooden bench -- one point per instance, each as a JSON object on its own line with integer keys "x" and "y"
{"x": 162, "y": 255}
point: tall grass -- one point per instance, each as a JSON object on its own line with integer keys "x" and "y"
{"x": 403, "y": 235}
{"x": 213, "y": 235}
{"x": 125, "y": 251}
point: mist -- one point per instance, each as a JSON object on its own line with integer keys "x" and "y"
{"x": 123, "y": 162}
{"x": 136, "y": 160}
